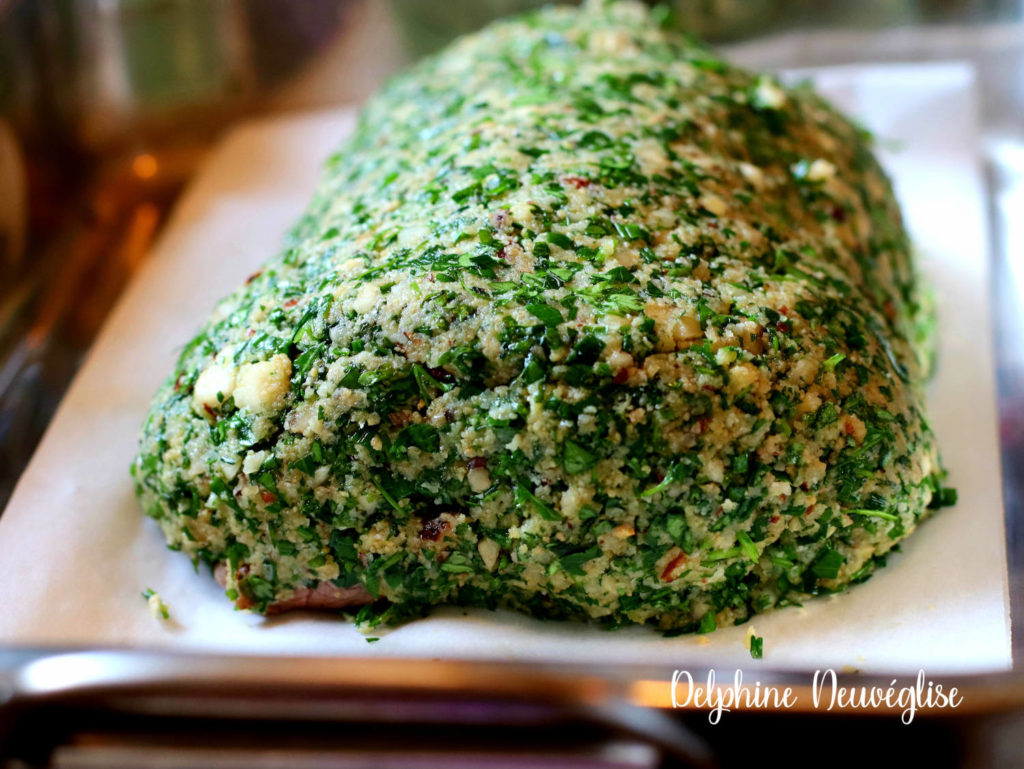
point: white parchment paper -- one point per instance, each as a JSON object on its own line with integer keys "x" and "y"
{"x": 75, "y": 551}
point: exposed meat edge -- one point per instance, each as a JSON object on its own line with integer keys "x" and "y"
{"x": 325, "y": 596}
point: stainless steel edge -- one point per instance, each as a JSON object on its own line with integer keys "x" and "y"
{"x": 353, "y": 690}
{"x": 1005, "y": 172}
{"x": 199, "y": 683}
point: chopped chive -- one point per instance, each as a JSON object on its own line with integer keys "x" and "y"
{"x": 834, "y": 361}
{"x": 721, "y": 555}
{"x": 756, "y": 647}
{"x": 874, "y": 514}
{"x": 748, "y": 546}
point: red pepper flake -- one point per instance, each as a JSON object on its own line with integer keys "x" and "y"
{"x": 208, "y": 410}
{"x": 621, "y": 376}
{"x": 268, "y": 496}
{"x": 476, "y": 462}
{"x": 808, "y": 510}
{"x": 177, "y": 383}
{"x": 440, "y": 374}
{"x": 782, "y": 326}
{"x": 774, "y": 519}
{"x": 671, "y": 566}
{"x": 702, "y": 425}
{"x": 500, "y": 253}
{"x": 434, "y": 529}
{"x": 839, "y": 213}
{"x": 784, "y": 310}
{"x": 291, "y": 302}
{"x": 577, "y": 181}
{"x": 399, "y": 418}
{"x": 253, "y": 277}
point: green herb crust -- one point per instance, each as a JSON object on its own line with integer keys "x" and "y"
{"x": 582, "y": 321}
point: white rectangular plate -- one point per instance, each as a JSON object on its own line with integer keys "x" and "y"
{"x": 75, "y": 550}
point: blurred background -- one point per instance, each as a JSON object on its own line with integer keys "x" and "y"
{"x": 108, "y": 107}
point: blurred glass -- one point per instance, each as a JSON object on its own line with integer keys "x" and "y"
{"x": 426, "y": 25}
{"x": 13, "y": 216}
{"x": 141, "y": 63}
{"x": 729, "y": 20}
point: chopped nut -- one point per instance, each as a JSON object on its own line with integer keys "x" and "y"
{"x": 479, "y": 479}
{"x": 262, "y": 386}
{"x": 623, "y": 531}
{"x": 213, "y": 386}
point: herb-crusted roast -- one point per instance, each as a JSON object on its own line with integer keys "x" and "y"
{"x": 581, "y": 321}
